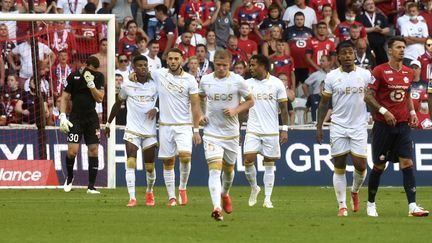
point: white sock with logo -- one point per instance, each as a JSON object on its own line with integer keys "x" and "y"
{"x": 184, "y": 174}
{"x": 151, "y": 178}
{"x": 340, "y": 184}
{"x": 215, "y": 187}
{"x": 251, "y": 174}
{"x": 269, "y": 178}
{"x": 130, "y": 182}
{"x": 169, "y": 178}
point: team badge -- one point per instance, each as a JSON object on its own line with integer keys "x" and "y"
{"x": 372, "y": 80}
{"x": 406, "y": 80}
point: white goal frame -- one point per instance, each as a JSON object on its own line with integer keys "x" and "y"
{"x": 110, "y": 19}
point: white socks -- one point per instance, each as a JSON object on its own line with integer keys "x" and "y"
{"x": 340, "y": 184}
{"x": 227, "y": 180}
{"x": 169, "y": 178}
{"x": 130, "y": 182}
{"x": 151, "y": 178}
{"x": 269, "y": 178}
{"x": 184, "y": 175}
{"x": 251, "y": 174}
{"x": 358, "y": 179}
{"x": 215, "y": 187}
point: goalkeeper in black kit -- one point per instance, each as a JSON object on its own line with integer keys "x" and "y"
{"x": 84, "y": 87}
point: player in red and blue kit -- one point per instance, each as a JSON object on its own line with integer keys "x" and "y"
{"x": 388, "y": 94}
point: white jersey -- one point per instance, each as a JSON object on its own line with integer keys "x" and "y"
{"x": 221, "y": 94}
{"x": 174, "y": 96}
{"x": 419, "y": 30}
{"x": 263, "y": 116}
{"x": 347, "y": 91}
{"x": 140, "y": 99}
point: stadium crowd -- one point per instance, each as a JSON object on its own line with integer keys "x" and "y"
{"x": 298, "y": 36}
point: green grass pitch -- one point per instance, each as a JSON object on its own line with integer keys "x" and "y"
{"x": 301, "y": 214}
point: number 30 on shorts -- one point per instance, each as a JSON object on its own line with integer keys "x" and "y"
{"x": 72, "y": 137}
{"x": 397, "y": 95}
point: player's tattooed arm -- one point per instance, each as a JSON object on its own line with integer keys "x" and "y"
{"x": 371, "y": 100}
{"x": 283, "y": 106}
{"x": 322, "y": 111}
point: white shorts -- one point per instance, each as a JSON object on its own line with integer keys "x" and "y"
{"x": 267, "y": 146}
{"x": 218, "y": 149}
{"x": 140, "y": 141}
{"x": 173, "y": 140}
{"x": 348, "y": 140}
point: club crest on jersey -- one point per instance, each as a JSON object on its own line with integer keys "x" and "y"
{"x": 372, "y": 80}
{"x": 406, "y": 80}
{"x": 390, "y": 79}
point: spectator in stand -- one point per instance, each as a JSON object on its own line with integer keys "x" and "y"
{"x": 123, "y": 66}
{"x": 191, "y": 26}
{"x": 142, "y": 47}
{"x": 297, "y": 37}
{"x": 405, "y": 16}
{"x": 319, "y": 46}
{"x": 153, "y": 61}
{"x": 415, "y": 33}
{"x": 290, "y": 95}
{"x": 121, "y": 115}
{"x": 427, "y": 14}
{"x": 6, "y": 46}
{"x": 149, "y": 19}
{"x": 269, "y": 47}
{"x": 123, "y": 28}
{"x": 283, "y": 63}
{"x": 71, "y": 7}
{"x": 364, "y": 56}
{"x": 331, "y": 22}
{"x": 39, "y": 6}
{"x": 87, "y": 34}
{"x": 193, "y": 68}
{"x": 2, "y": 71}
{"x": 426, "y": 61}
{"x": 60, "y": 72}
{"x": 342, "y": 31}
{"x": 273, "y": 19}
{"x": 425, "y": 121}
{"x": 62, "y": 39}
{"x": 195, "y": 10}
{"x": 222, "y": 22}
{"x": 121, "y": 9}
{"x": 237, "y": 53}
{"x": 23, "y": 53}
{"x": 418, "y": 86}
{"x": 7, "y": 7}
{"x": 310, "y": 18}
{"x": 250, "y": 14}
{"x": 312, "y": 85}
{"x": 244, "y": 43}
{"x": 377, "y": 30}
{"x": 204, "y": 65}
{"x": 166, "y": 31}
{"x": 127, "y": 45}
{"x": 212, "y": 7}
{"x": 102, "y": 57}
{"x": 8, "y": 99}
{"x": 318, "y": 6}
{"x": 355, "y": 33}
{"x": 211, "y": 44}
{"x": 186, "y": 47}
{"x": 240, "y": 68}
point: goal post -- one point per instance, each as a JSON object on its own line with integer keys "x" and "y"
{"x": 109, "y": 19}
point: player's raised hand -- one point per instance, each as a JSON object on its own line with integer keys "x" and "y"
{"x": 283, "y": 137}
{"x": 390, "y": 119}
{"x": 89, "y": 78}
{"x": 413, "y": 122}
{"x": 203, "y": 121}
{"x": 132, "y": 77}
{"x": 107, "y": 130}
{"x": 151, "y": 114}
{"x": 64, "y": 123}
{"x": 230, "y": 112}
{"x": 319, "y": 135}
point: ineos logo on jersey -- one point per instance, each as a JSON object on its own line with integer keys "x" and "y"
{"x": 263, "y": 96}
{"x": 145, "y": 98}
{"x": 220, "y": 97}
{"x": 173, "y": 87}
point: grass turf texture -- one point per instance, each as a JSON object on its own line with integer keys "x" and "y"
{"x": 301, "y": 214}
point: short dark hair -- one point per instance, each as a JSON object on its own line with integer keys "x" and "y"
{"x": 102, "y": 40}
{"x": 393, "y": 39}
{"x": 321, "y": 23}
{"x": 262, "y": 60}
{"x": 139, "y": 58}
{"x": 161, "y": 8}
{"x": 93, "y": 61}
{"x": 201, "y": 45}
{"x": 344, "y": 44}
{"x": 299, "y": 13}
{"x": 151, "y": 42}
{"x": 175, "y": 50}
{"x": 131, "y": 22}
{"x": 90, "y": 8}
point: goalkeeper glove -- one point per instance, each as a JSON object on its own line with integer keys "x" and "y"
{"x": 89, "y": 78}
{"x": 64, "y": 123}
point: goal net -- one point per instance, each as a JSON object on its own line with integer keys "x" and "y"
{"x": 38, "y": 52}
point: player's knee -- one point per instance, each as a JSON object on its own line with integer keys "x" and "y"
{"x": 93, "y": 150}
{"x": 249, "y": 160}
{"x": 227, "y": 168}
{"x": 168, "y": 164}
{"x": 339, "y": 171}
{"x": 149, "y": 167}
{"x": 131, "y": 163}
{"x": 215, "y": 165}
{"x": 185, "y": 159}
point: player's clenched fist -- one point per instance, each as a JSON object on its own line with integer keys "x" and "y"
{"x": 89, "y": 78}
{"x": 64, "y": 123}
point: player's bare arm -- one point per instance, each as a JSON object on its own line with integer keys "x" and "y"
{"x": 413, "y": 121}
{"x": 322, "y": 111}
{"x": 114, "y": 111}
{"x": 196, "y": 116}
{"x": 283, "y": 106}
{"x": 373, "y": 103}
{"x": 249, "y": 102}
{"x": 203, "y": 104}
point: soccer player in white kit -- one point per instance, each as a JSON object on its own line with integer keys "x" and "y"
{"x": 140, "y": 95}
{"x": 223, "y": 90}
{"x": 348, "y": 132}
{"x": 262, "y": 133}
{"x": 178, "y": 96}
